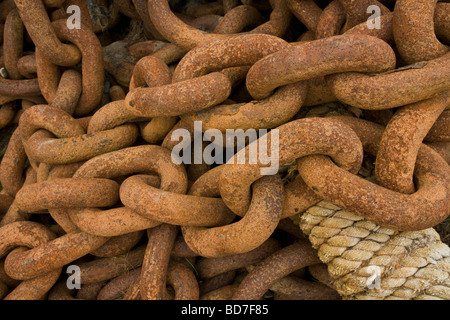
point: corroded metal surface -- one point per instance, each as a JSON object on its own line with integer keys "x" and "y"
{"x": 414, "y": 31}
{"x": 354, "y": 114}
{"x": 275, "y": 267}
{"x": 296, "y": 140}
{"x": 426, "y": 207}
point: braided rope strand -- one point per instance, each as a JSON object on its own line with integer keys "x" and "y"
{"x": 367, "y": 261}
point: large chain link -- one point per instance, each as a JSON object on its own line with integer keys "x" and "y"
{"x": 355, "y": 103}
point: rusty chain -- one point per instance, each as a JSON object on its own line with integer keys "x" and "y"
{"x": 98, "y": 96}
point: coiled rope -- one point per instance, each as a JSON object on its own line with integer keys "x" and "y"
{"x": 367, "y": 261}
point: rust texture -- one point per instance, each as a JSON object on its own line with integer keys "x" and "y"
{"x": 217, "y": 282}
{"x": 117, "y": 287}
{"x": 295, "y": 140}
{"x": 414, "y": 31}
{"x": 293, "y": 288}
{"x": 40, "y": 29}
{"x": 307, "y": 12}
{"x": 169, "y": 207}
{"x": 337, "y": 54}
{"x": 395, "y": 166}
{"x": 356, "y": 11}
{"x": 183, "y": 281}
{"x": 259, "y": 222}
{"x": 424, "y": 208}
{"x": 152, "y": 282}
{"x": 90, "y": 115}
{"x": 211, "y": 267}
{"x": 108, "y": 268}
{"x": 331, "y": 20}
{"x": 238, "y": 18}
{"x": 393, "y": 89}
{"x": 275, "y": 267}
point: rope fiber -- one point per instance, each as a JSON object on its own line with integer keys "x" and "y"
{"x": 367, "y": 261}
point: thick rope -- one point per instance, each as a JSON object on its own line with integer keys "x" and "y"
{"x": 367, "y": 261}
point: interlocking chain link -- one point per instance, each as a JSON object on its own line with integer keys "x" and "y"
{"x": 98, "y": 96}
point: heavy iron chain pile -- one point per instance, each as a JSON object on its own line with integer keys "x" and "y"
{"x": 88, "y": 179}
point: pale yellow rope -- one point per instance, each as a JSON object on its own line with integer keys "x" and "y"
{"x": 411, "y": 264}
